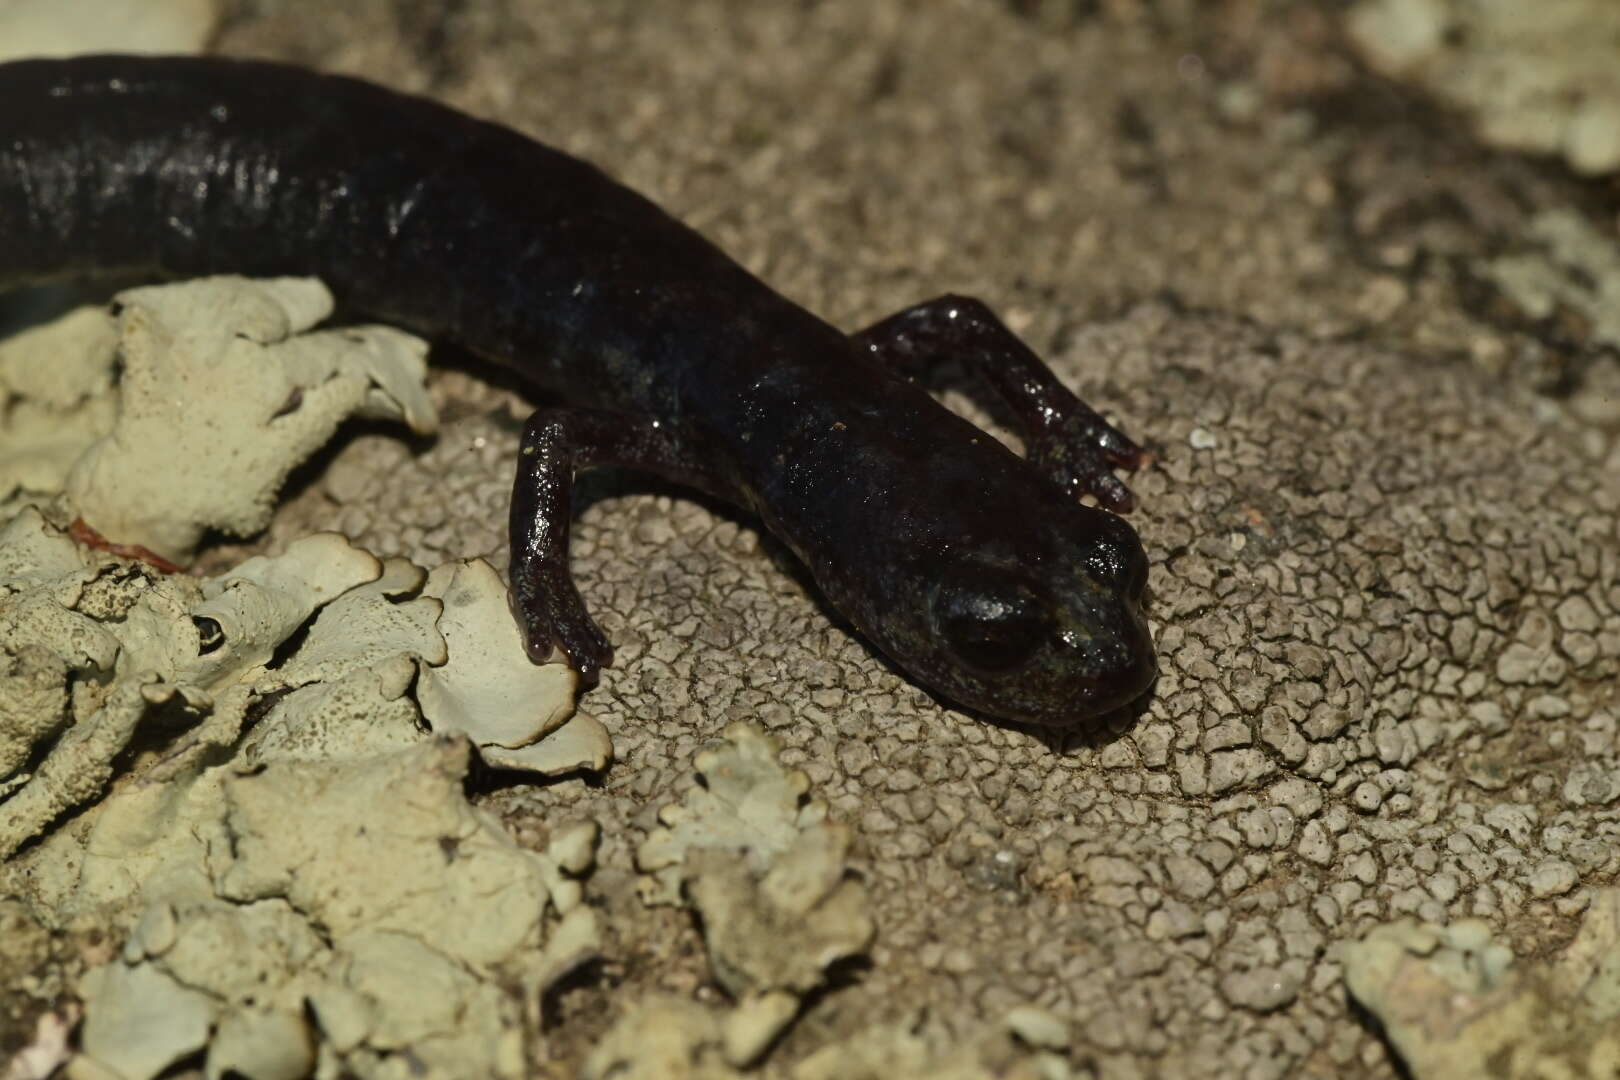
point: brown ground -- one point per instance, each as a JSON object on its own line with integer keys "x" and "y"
{"x": 1385, "y": 556}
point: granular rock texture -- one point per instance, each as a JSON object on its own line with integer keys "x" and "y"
{"x": 1386, "y": 565}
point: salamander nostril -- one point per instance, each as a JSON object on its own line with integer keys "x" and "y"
{"x": 1116, "y": 557}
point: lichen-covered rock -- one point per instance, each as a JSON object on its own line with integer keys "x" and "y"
{"x": 1565, "y": 263}
{"x": 225, "y": 389}
{"x": 521, "y": 716}
{"x": 1539, "y": 77}
{"x": 344, "y": 692}
{"x": 769, "y": 876}
{"x": 318, "y": 895}
{"x": 667, "y": 1038}
{"x": 145, "y": 650}
{"x": 56, "y": 398}
{"x": 75, "y": 27}
{"x": 1027, "y": 1044}
{"x": 748, "y": 803}
{"x": 1456, "y": 1004}
{"x": 316, "y": 938}
{"x": 784, "y": 929}
{"x": 89, "y": 645}
{"x": 662, "y": 1038}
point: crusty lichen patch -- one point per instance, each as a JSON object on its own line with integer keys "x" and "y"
{"x": 316, "y": 894}
{"x": 1534, "y": 77}
{"x": 1455, "y": 1003}
{"x": 1565, "y": 263}
{"x": 663, "y": 1038}
{"x": 32, "y": 28}
{"x": 90, "y": 646}
{"x": 56, "y": 398}
{"x": 225, "y": 389}
{"x": 1027, "y": 1043}
{"x": 666, "y": 1038}
{"x": 316, "y": 941}
{"x": 520, "y": 715}
{"x": 768, "y": 873}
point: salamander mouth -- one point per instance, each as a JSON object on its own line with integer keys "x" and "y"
{"x": 1120, "y": 667}
{"x": 1135, "y": 673}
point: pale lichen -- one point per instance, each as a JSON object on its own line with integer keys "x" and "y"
{"x": 144, "y": 655}
{"x": 30, "y": 28}
{"x": 225, "y": 379}
{"x": 1027, "y": 1044}
{"x": 747, "y": 802}
{"x": 56, "y": 398}
{"x": 663, "y": 1038}
{"x": 1455, "y": 1003}
{"x": 666, "y": 1038}
{"x": 520, "y": 715}
{"x": 317, "y": 895}
{"x": 1565, "y": 262}
{"x": 222, "y": 393}
{"x": 769, "y": 875}
{"x": 311, "y": 941}
{"x": 1537, "y": 77}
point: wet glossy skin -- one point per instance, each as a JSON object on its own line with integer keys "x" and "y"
{"x": 974, "y": 570}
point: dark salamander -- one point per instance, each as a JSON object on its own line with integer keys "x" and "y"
{"x": 976, "y": 571}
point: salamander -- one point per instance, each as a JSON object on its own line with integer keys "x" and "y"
{"x": 980, "y": 573}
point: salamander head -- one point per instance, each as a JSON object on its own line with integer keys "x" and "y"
{"x": 1051, "y": 641}
{"x": 1054, "y": 640}
{"x": 978, "y": 575}
{"x": 1041, "y": 624}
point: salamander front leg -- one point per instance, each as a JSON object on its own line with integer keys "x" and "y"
{"x": 556, "y": 443}
{"x": 1066, "y": 438}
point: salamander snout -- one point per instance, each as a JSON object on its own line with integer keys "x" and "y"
{"x": 1052, "y": 641}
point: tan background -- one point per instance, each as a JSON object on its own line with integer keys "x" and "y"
{"x": 1382, "y": 527}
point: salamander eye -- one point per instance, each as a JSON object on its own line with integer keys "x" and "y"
{"x": 991, "y": 625}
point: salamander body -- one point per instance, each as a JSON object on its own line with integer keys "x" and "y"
{"x": 978, "y": 572}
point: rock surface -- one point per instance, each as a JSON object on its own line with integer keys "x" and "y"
{"x": 1382, "y": 520}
